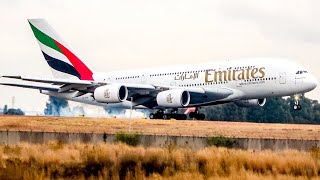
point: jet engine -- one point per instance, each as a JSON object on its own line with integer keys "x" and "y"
{"x": 113, "y": 93}
{"x": 251, "y": 102}
{"x": 174, "y": 98}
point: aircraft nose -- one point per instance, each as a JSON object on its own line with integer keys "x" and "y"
{"x": 312, "y": 82}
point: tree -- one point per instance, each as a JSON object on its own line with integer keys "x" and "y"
{"x": 316, "y": 111}
{"x": 276, "y": 110}
{"x": 14, "y": 112}
{"x": 57, "y": 107}
{"x": 306, "y": 114}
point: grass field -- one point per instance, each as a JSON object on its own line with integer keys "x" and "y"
{"x": 118, "y": 161}
{"x": 161, "y": 127}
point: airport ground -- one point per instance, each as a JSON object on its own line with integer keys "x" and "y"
{"x": 105, "y": 160}
{"x": 160, "y": 127}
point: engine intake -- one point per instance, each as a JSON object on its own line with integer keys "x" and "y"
{"x": 174, "y": 98}
{"x": 251, "y": 102}
{"x": 114, "y": 93}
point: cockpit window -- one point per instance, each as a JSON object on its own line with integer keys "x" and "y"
{"x": 301, "y": 72}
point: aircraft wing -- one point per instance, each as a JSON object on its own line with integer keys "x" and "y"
{"x": 143, "y": 94}
{"x": 47, "y": 80}
{"x": 34, "y": 86}
{"x": 74, "y": 84}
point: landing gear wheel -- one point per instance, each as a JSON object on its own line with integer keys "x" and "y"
{"x": 296, "y": 106}
{"x": 200, "y": 116}
{"x": 192, "y": 115}
{"x": 160, "y": 114}
{"x": 197, "y": 115}
{"x": 299, "y": 107}
{"x": 151, "y": 116}
{"x": 157, "y": 115}
{"x": 165, "y": 116}
{"x": 181, "y": 117}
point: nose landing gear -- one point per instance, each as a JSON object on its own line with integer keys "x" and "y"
{"x": 296, "y": 105}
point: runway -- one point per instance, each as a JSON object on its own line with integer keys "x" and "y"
{"x": 160, "y": 127}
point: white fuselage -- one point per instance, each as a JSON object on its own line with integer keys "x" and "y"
{"x": 248, "y": 78}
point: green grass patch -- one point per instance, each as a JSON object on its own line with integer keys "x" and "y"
{"x": 220, "y": 141}
{"x": 131, "y": 139}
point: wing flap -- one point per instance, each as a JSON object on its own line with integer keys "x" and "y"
{"x": 33, "y": 86}
{"x": 78, "y": 82}
{"x": 65, "y": 85}
{"x": 53, "y": 81}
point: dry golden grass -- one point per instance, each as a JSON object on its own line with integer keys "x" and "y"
{"x": 118, "y": 161}
{"x": 161, "y": 127}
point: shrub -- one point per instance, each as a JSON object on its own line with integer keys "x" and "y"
{"x": 127, "y": 138}
{"x": 14, "y": 112}
{"x": 220, "y": 141}
{"x": 109, "y": 161}
{"x": 315, "y": 152}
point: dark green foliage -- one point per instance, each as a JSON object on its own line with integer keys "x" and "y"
{"x": 5, "y": 109}
{"x": 55, "y": 105}
{"x": 306, "y": 114}
{"x": 128, "y": 138}
{"x": 276, "y": 110}
{"x": 220, "y": 141}
{"x": 14, "y": 112}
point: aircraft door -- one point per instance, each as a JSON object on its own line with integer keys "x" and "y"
{"x": 282, "y": 78}
{"x": 173, "y": 83}
{"x": 144, "y": 77}
{"x": 109, "y": 78}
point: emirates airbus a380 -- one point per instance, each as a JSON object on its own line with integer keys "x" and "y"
{"x": 246, "y": 82}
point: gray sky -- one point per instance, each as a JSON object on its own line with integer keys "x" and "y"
{"x": 125, "y": 34}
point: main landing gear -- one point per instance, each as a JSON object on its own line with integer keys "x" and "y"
{"x": 197, "y": 115}
{"x": 296, "y": 105}
{"x": 160, "y": 114}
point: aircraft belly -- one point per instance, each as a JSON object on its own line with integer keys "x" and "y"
{"x": 210, "y": 95}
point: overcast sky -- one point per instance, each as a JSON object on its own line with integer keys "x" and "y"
{"x": 114, "y": 35}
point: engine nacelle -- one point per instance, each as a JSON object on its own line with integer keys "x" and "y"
{"x": 251, "y": 102}
{"x": 113, "y": 93}
{"x": 174, "y": 98}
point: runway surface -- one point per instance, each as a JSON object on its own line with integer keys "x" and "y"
{"x": 161, "y": 127}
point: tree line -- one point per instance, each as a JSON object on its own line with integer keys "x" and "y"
{"x": 276, "y": 110}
